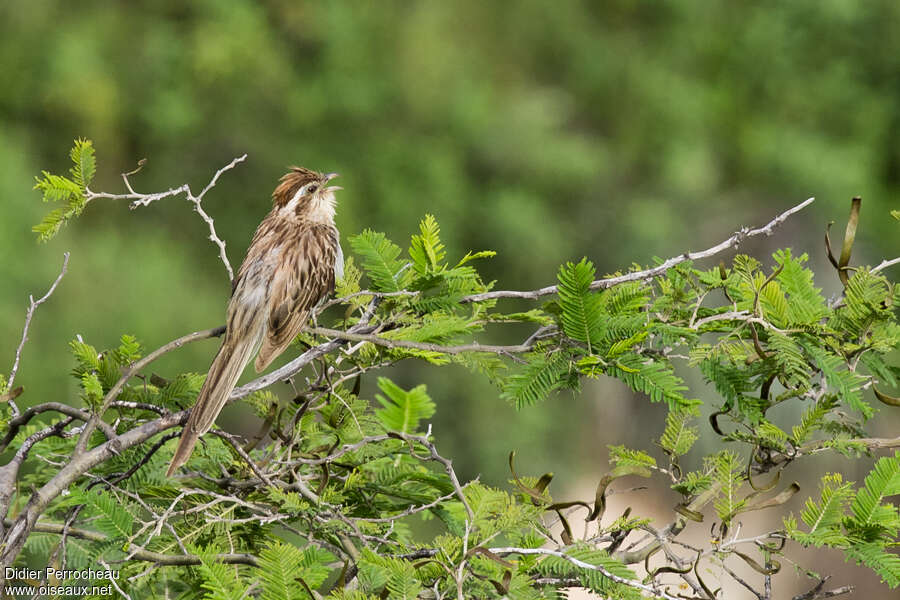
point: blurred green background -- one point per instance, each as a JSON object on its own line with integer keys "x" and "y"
{"x": 619, "y": 130}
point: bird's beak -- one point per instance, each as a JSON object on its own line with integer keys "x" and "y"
{"x": 333, "y": 188}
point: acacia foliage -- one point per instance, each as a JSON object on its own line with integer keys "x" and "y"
{"x": 348, "y": 497}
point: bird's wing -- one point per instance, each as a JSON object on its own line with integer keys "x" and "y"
{"x": 302, "y": 278}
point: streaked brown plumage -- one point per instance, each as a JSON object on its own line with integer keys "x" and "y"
{"x": 290, "y": 267}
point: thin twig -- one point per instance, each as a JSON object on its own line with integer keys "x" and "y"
{"x": 588, "y": 566}
{"x": 133, "y": 368}
{"x": 112, "y": 580}
{"x": 736, "y": 315}
{"x": 885, "y": 264}
{"x": 816, "y": 592}
{"x": 71, "y": 411}
{"x": 33, "y": 304}
{"x": 145, "y": 555}
{"x": 139, "y": 199}
{"x": 389, "y": 343}
{"x": 733, "y": 242}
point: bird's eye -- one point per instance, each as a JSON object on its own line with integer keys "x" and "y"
{"x": 312, "y": 188}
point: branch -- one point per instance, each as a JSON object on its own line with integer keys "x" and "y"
{"x": 145, "y": 555}
{"x": 292, "y": 368}
{"x": 885, "y": 264}
{"x": 139, "y": 199}
{"x": 586, "y": 565}
{"x": 130, "y": 371}
{"x": 816, "y": 592}
{"x": 733, "y": 242}
{"x": 447, "y": 463}
{"x": 78, "y": 465}
{"x": 389, "y": 343}
{"x": 9, "y": 472}
{"x": 736, "y": 315}
{"x": 33, "y": 304}
{"x": 71, "y": 411}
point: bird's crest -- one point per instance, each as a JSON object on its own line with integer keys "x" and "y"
{"x": 291, "y": 182}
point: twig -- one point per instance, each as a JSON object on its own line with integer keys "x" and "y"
{"x": 139, "y": 199}
{"x": 816, "y": 592}
{"x": 144, "y": 555}
{"x": 33, "y": 304}
{"x": 586, "y": 565}
{"x": 733, "y": 242}
{"x": 131, "y": 370}
{"x": 292, "y": 368}
{"x": 113, "y": 581}
{"x": 885, "y": 264}
{"x": 447, "y": 463}
{"x": 77, "y": 413}
{"x": 237, "y": 447}
{"x": 412, "y": 509}
{"x": 741, "y": 581}
{"x": 389, "y": 343}
{"x": 144, "y": 460}
{"x": 736, "y": 315}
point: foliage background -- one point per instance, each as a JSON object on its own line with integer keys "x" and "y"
{"x": 619, "y": 131}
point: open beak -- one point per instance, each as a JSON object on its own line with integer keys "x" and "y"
{"x": 333, "y": 188}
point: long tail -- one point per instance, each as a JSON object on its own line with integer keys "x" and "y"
{"x": 226, "y": 368}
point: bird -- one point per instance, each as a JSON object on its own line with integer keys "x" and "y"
{"x": 290, "y": 268}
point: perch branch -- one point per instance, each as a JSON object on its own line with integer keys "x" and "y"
{"x": 33, "y": 304}
{"x": 733, "y": 242}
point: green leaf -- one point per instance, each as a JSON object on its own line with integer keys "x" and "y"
{"x": 582, "y": 318}
{"x": 543, "y": 374}
{"x": 397, "y": 577}
{"x": 403, "y": 410}
{"x": 805, "y": 305}
{"x": 789, "y": 357}
{"x": 220, "y": 580}
{"x": 812, "y": 420}
{"x": 57, "y": 188}
{"x": 727, "y": 471}
{"x": 380, "y": 260}
{"x": 824, "y": 518}
{"x": 874, "y": 556}
{"x": 656, "y": 379}
{"x": 426, "y": 249}
{"x": 883, "y": 480}
{"x": 85, "y": 165}
{"x": 839, "y": 376}
{"x": 113, "y": 519}
{"x": 476, "y": 255}
{"x": 86, "y": 355}
{"x": 622, "y": 456}
{"x": 281, "y": 565}
{"x": 678, "y": 436}
{"x": 93, "y": 389}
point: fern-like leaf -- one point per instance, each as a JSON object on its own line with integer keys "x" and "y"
{"x": 380, "y": 260}
{"x": 113, "y": 518}
{"x": 426, "y": 249}
{"x": 882, "y": 481}
{"x": 582, "y": 317}
{"x": 726, "y": 470}
{"x": 85, "y": 164}
{"x": 824, "y": 518}
{"x": 678, "y": 436}
{"x": 403, "y": 410}
{"x": 874, "y": 556}
{"x": 656, "y": 379}
{"x": 542, "y": 375}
